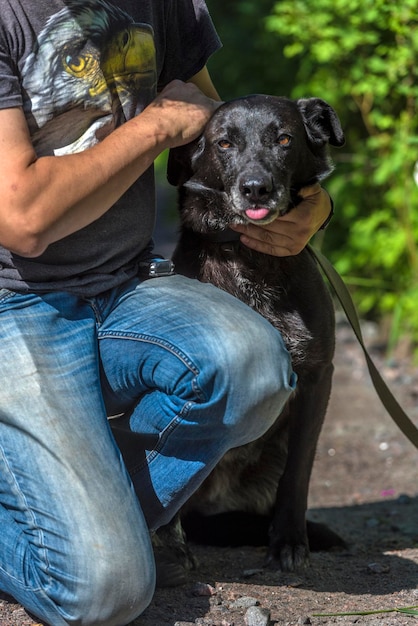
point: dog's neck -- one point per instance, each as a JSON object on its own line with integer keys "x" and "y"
{"x": 227, "y": 239}
{"x": 221, "y": 236}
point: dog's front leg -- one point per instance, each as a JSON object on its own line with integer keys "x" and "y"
{"x": 289, "y": 546}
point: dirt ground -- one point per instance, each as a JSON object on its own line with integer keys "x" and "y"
{"x": 364, "y": 486}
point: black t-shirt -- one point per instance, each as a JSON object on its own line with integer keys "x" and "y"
{"x": 79, "y": 68}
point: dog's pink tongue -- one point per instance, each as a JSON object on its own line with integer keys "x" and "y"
{"x": 258, "y": 213}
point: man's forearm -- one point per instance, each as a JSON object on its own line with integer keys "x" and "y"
{"x": 48, "y": 198}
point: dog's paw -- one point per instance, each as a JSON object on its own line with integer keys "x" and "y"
{"x": 173, "y": 557}
{"x": 172, "y": 568}
{"x": 287, "y": 556}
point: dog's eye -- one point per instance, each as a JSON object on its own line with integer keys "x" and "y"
{"x": 284, "y": 140}
{"x": 224, "y": 144}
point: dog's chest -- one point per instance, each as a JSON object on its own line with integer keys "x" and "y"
{"x": 271, "y": 286}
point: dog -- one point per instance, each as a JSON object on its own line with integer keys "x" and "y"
{"x": 248, "y": 166}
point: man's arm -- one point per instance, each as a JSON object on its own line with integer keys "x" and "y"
{"x": 203, "y": 80}
{"x": 45, "y": 199}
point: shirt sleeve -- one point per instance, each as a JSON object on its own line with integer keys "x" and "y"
{"x": 191, "y": 38}
{"x": 10, "y": 90}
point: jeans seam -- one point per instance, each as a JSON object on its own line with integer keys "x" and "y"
{"x": 6, "y": 294}
{"x": 19, "y": 583}
{"x": 161, "y": 440}
{"x": 164, "y": 434}
{"x": 18, "y": 491}
{"x": 153, "y": 340}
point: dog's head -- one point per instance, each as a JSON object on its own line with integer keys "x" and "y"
{"x": 253, "y": 157}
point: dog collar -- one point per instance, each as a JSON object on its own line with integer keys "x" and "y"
{"x": 227, "y": 239}
{"x": 222, "y": 236}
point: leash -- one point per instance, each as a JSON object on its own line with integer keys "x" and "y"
{"x": 389, "y": 402}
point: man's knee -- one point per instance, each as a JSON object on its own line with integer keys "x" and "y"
{"x": 124, "y": 589}
{"x": 105, "y": 576}
{"x": 257, "y": 376}
{"x": 110, "y": 591}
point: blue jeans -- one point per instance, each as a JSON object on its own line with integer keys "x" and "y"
{"x": 190, "y": 371}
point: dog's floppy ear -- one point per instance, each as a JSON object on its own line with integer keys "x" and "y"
{"x": 180, "y": 162}
{"x": 321, "y": 122}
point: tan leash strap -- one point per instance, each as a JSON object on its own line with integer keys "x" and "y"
{"x": 389, "y": 402}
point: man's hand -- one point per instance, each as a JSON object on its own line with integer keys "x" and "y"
{"x": 288, "y": 235}
{"x": 183, "y": 110}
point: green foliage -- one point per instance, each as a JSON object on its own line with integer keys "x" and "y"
{"x": 360, "y": 55}
{"x": 251, "y": 60}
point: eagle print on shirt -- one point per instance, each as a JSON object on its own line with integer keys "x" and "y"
{"x": 92, "y": 69}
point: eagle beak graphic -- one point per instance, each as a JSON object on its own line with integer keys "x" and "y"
{"x": 129, "y": 62}
{"x": 109, "y": 82}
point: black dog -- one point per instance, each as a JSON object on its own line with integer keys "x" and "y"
{"x": 248, "y": 166}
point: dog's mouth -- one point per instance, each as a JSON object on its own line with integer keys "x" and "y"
{"x": 262, "y": 206}
{"x": 258, "y": 213}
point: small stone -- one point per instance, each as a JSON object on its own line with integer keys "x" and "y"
{"x": 378, "y": 568}
{"x": 257, "y": 616}
{"x": 203, "y": 589}
{"x": 403, "y": 498}
{"x": 248, "y": 573}
{"x": 294, "y": 582}
{"x": 372, "y": 522}
{"x": 244, "y": 602}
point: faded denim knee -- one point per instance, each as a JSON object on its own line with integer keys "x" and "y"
{"x": 253, "y": 368}
{"x": 113, "y": 586}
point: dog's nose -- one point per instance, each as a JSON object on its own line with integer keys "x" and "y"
{"x": 256, "y": 188}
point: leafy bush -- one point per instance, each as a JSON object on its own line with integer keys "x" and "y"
{"x": 360, "y": 55}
